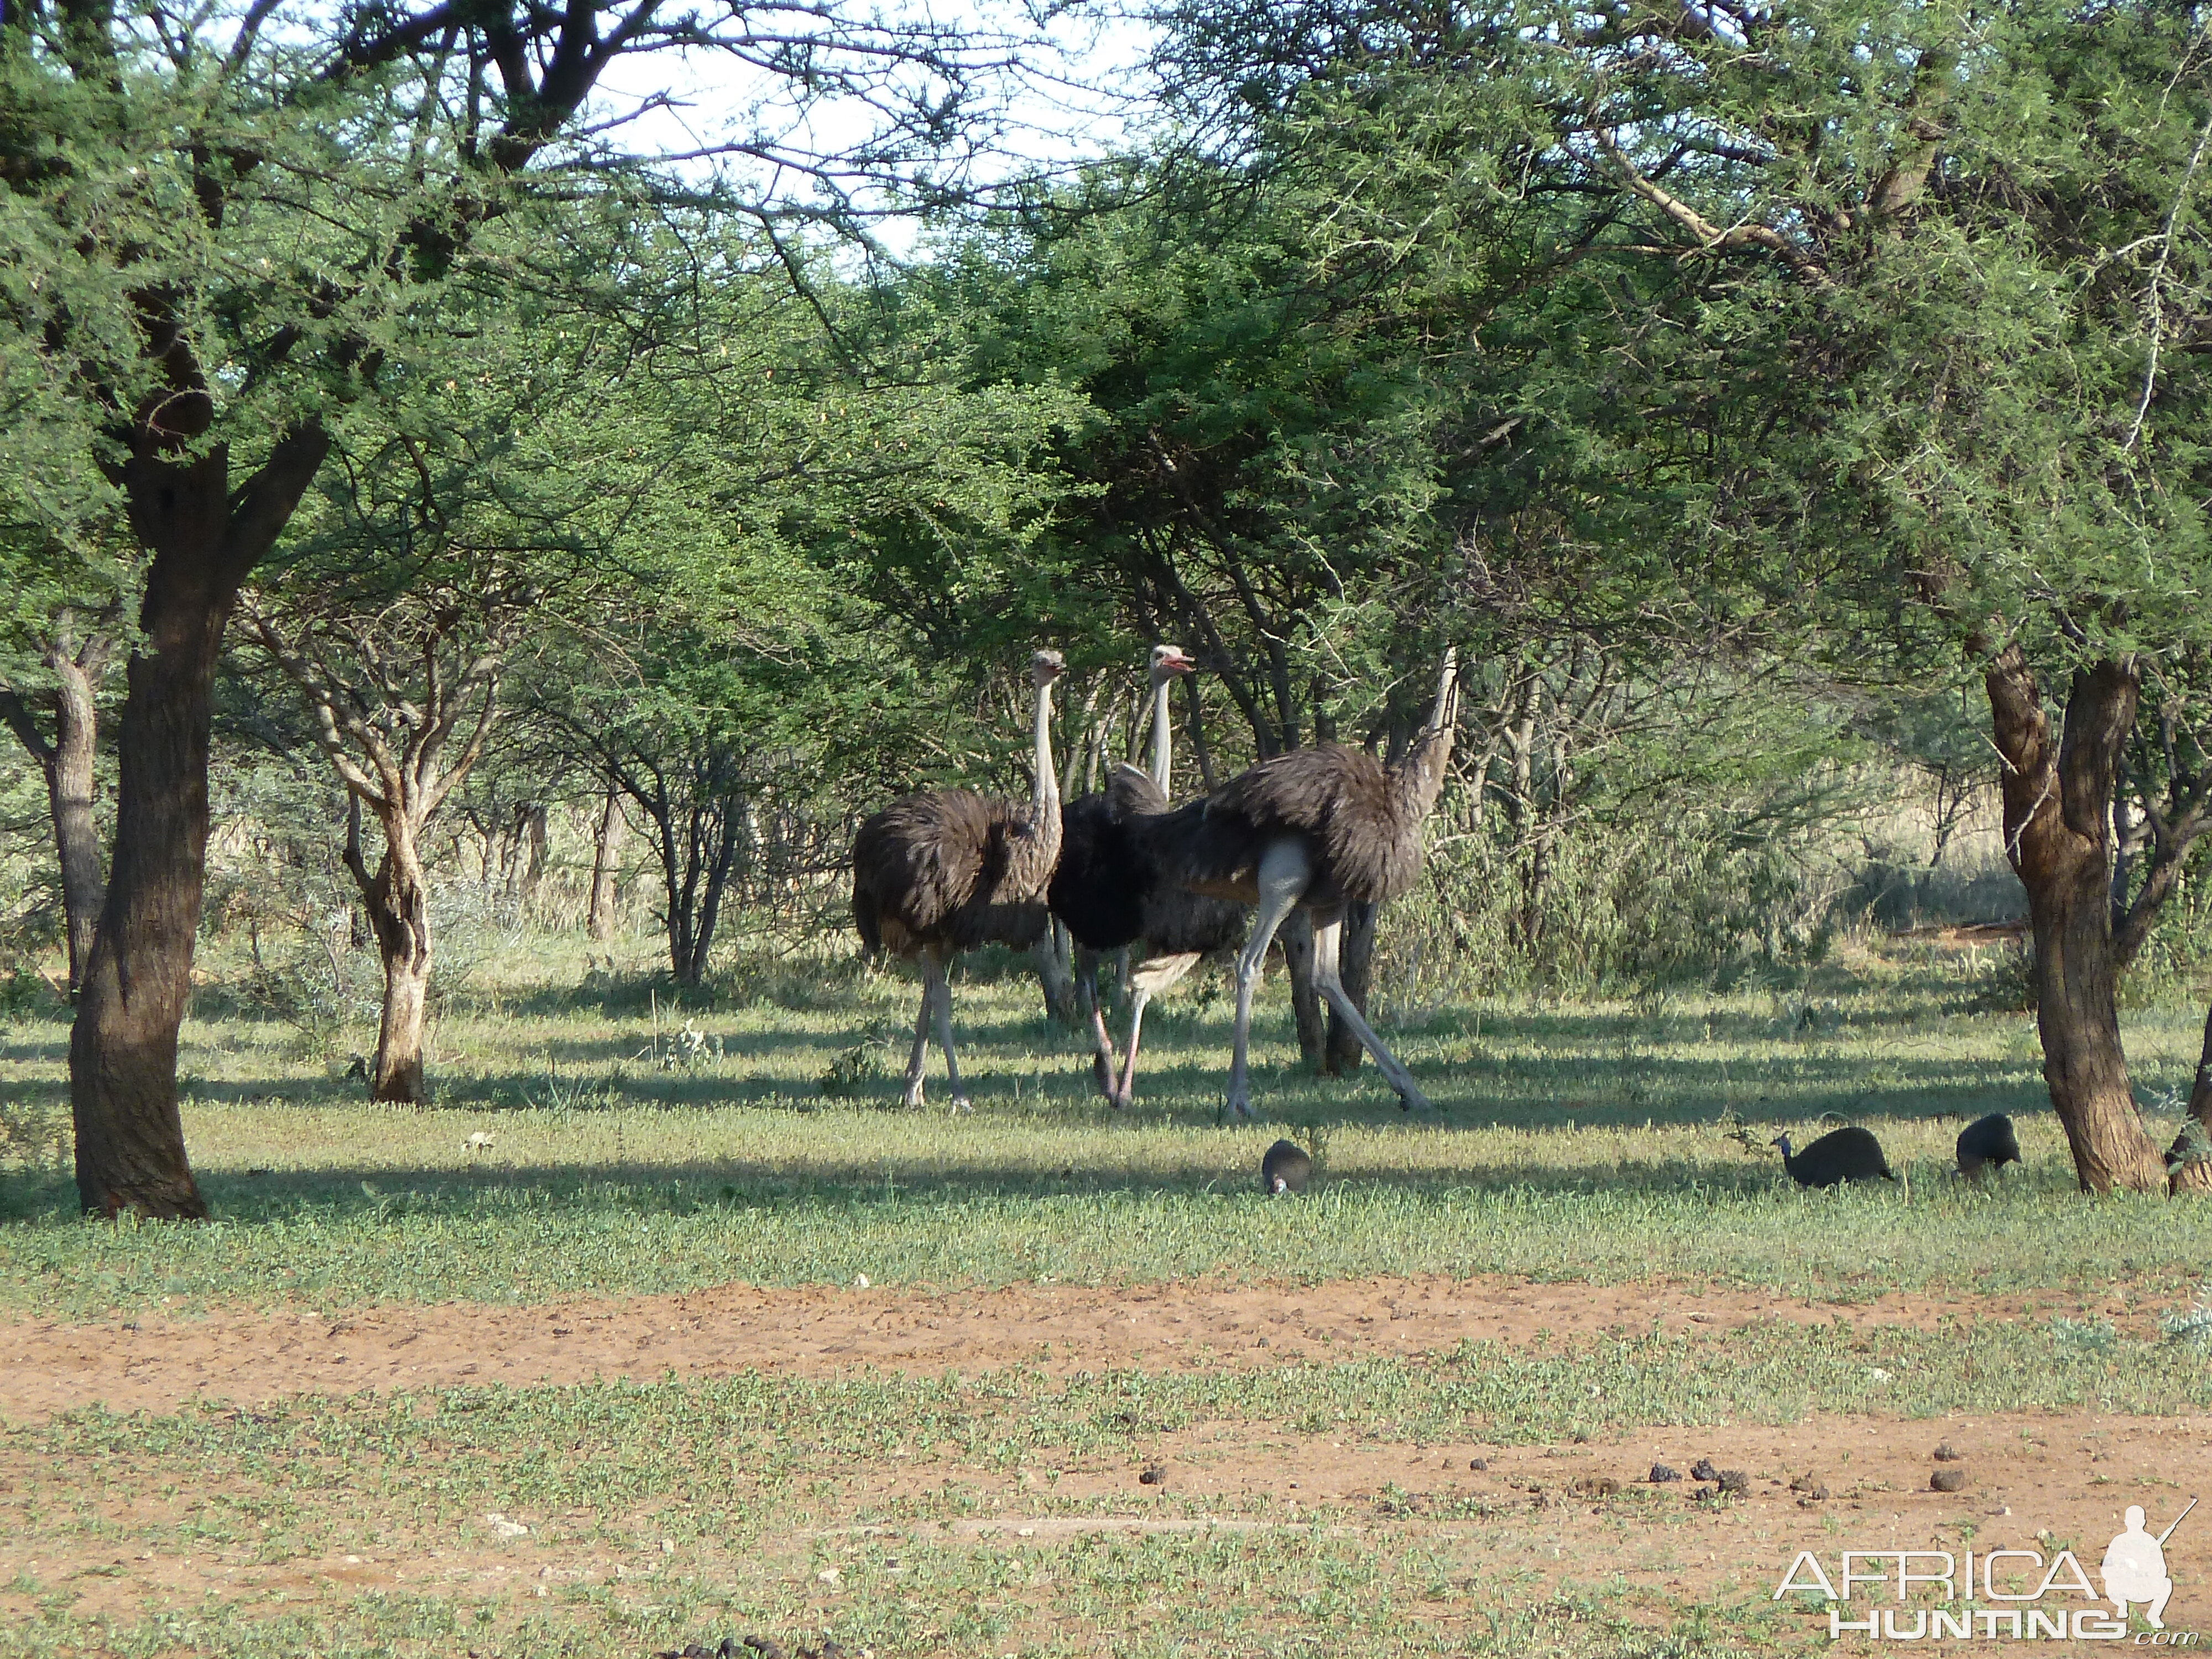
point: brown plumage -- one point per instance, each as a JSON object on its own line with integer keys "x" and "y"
{"x": 1361, "y": 821}
{"x": 1311, "y": 830}
{"x": 946, "y": 869}
{"x": 952, "y": 867}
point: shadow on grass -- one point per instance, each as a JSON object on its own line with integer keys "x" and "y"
{"x": 248, "y": 1198}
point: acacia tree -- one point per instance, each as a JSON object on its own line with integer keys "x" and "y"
{"x": 402, "y": 703}
{"x": 221, "y": 233}
{"x": 1891, "y": 319}
{"x": 1987, "y": 294}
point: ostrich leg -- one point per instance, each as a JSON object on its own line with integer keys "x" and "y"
{"x": 1086, "y": 1000}
{"x": 1327, "y": 937}
{"x": 940, "y": 994}
{"x": 1286, "y": 869}
{"x": 912, "y": 1094}
{"x": 1154, "y": 977}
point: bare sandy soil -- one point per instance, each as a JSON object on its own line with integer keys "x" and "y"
{"x": 245, "y": 1357}
{"x": 1538, "y": 1517}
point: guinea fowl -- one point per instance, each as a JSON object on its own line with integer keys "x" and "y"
{"x": 1111, "y": 899}
{"x": 1287, "y": 1168}
{"x": 1987, "y": 1143}
{"x": 946, "y": 869}
{"x": 1311, "y": 830}
{"x": 1841, "y": 1154}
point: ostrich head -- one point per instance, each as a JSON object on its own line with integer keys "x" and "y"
{"x": 1170, "y": 660}
{"x": 1045, "y": 667}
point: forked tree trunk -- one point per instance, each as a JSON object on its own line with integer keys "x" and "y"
{"x": 606, "y": 867}
{"x": 397, "y": 900}
{"x": 2058, "y": 835}
{"x": 137, "y": 980}
{"x": 1355, "y": 968}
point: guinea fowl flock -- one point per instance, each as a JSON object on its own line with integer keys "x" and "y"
{"x": 1129, "y": 870}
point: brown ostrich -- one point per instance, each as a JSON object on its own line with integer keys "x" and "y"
{"x": 1112, "y": 899}
{"x": 1310, "y": 830}
{"x": 947, "y": 870}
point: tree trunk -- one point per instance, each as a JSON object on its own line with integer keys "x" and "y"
{"x": 533, "y": 843}
{"x": 1296, "y": 937}
{"x": 70, "y": 786}
{"x": 1355, "y": 968}
{"x": 2058, "y": 833}
{"x": 397, "y": 900}
{"x": 2196, "y": 1175}
{"x": 1051, "y": 957}
{"x": 67, "y": 761}
{"x": 137, "y": 979}
{"x": 606, "y": 866}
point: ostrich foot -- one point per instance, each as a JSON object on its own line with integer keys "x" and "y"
{"x": 1121, "y": 1101}
{"x": 962, "y": 1103}
{"x": 1413, "y": 1100}
{"x": 1240, "y": 1106}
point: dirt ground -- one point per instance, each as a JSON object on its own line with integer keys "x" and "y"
{"x": 245, "y": 1357}
{"x": 1561, "y": 1515}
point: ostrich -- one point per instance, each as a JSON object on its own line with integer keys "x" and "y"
{"x": 1110, "y": 899}
{"x": 946, "y": 869}
{"x": 1310, "y": 830}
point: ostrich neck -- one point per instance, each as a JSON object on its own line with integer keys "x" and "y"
{"x": 1162, "y": 737}
{"x": 1044, "y": 795}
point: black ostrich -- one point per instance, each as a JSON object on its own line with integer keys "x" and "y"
{"x": 947, "y": 870}
{"x": 1110, "y": 899}
{"x": 1311, "y": 830}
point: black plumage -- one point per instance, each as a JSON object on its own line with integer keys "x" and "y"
{"x": 1987, "y": 1143}
{"x": 1361, "y": 822}
{"x": 1286, "y": 1169}
{"x": 1111, "y": 896}
{"x": 1099, "y": 887}
{"x": 1847, "y": 1154}
{"x": 1311, "y": 830}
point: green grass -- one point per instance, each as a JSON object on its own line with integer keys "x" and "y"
{"x": 1588, "y": 1142}
{"x": 1593, "y": 1142}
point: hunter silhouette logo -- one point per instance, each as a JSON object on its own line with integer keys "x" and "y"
{"x": 2134, "y": 1568}
{"x": 2004, "y": 1592}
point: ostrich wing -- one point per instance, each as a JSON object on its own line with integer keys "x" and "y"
{"x": 921, "y": 859}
